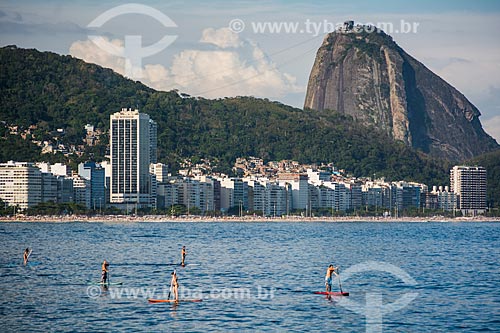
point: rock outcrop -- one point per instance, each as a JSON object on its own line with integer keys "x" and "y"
{"x": 368, "y": 76}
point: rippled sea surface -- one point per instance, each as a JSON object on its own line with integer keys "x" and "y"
{"x": 251, "y": 277}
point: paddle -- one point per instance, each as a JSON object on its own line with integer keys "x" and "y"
{"x": 338, "y": 275}
{"x": 170, "y": 290}
{"x": 25, "y": 262}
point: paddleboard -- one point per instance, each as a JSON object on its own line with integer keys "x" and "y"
{"x": 332, "y": 293}
{"x": 151, "y": 300}
{"x": 107, "y": 283}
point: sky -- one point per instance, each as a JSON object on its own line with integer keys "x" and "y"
{"x": 265, "y": 49}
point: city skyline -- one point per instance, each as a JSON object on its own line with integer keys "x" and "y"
{"x": 288, "y": 192}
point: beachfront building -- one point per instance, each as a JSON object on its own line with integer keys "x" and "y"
{"x": 106, "y": 165}
{"x": 333, "y": 196}
{"x": 300, "y": 189}
{"x": 408, "y": 195}
{"x": 49, "y": 187}
{"x": 20, "y": 184}
{"x": 269, "y": 198}
{"x": 469, "y": 184}
{"x": 372, "y": 195}
{"x": 233, "y": 193}
{"x": 395, "y": 196}
{"x": 314, "y": 196}
{"x": 344, "y": 194}
{"x": 441, "y": 198}
{"x": 65, "y": 190}
{"x": 278, "y": 199}
{"x": 356, "y": 194}
{"x": 196, "y": 194}
{"x": 130, "y": 147}
{"x": 206, "y": 185}
{"x": 81, "y": 191}
{"x": 257, "y": 200}
{"x": 95, "y": 175}
{"x": 167, "y": 193}
{"x": 329, "y": 197}
{"x": 217, "y": 190}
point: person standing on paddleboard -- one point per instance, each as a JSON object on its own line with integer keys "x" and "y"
{"x": 183, "y": 254}
{"x": 174, "y": 285}
{"x": 328, "y": 278}
{"x": 104, "y": 273}
{"x": 26, "y": 256}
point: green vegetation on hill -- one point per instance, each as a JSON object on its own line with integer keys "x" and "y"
{"x": 53, "y": 91}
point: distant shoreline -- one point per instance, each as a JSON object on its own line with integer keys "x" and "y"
{"x": 202, "y": 219}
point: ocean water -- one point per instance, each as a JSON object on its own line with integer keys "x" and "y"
{"x": 251, "y": 277}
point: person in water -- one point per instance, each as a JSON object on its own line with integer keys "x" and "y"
{"x": 174, "y": 285}
{"x": 183, "y": 254}
{"x": 26, "y": 256}
{"x": 328, "y": 278}
{"x": 104, "y": 273}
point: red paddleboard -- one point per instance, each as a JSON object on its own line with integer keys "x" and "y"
{"x": 332, "y": 293}
{"x": 172, "y": 300}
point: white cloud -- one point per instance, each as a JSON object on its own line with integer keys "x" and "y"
{"x": 90, "y": 52}
{"x": 492, "y": 127}
{"x": 222, "y": 37}
{"x": 235, "y": 67}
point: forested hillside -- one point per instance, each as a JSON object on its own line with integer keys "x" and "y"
{"x": 53, "y": 91}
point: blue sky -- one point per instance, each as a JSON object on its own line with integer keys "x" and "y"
{"x": 458, "y": 40}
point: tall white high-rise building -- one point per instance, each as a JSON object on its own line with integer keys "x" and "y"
{"x": 469, "y": 184}
{"x": 130, "y": 143}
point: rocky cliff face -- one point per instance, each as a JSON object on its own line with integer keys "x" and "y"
{"x": 368, "y": 76}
